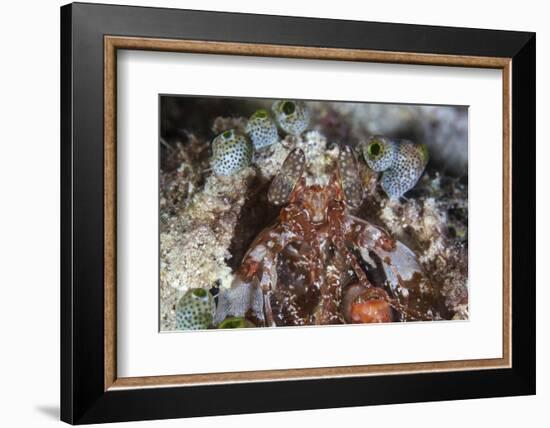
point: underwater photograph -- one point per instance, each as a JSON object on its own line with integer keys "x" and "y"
{"x": 287, "y": 212}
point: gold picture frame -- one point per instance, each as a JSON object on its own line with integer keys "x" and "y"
{"x": 114, "y": 43}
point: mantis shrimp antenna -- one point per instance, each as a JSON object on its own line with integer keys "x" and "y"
{"x": 350, "y": 179}
{"x": 284, "y": 182}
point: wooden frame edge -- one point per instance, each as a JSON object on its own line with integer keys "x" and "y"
{"x": 300, "y": 374}
{"x": 109, "y": 196}
{"x": 112, "y": 43}
{"x": 507, "y": 213}
{"x": 301, "y": 52}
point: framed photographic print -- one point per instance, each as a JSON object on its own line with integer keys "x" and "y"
{"x": 273, "y": 213}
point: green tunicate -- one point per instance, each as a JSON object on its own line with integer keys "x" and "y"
{"x": 292, "y": 116}
{"x": 400, "y": 161}
{"x": 379, "y": 153}
{"x": 261, "y": 129}
{"x": 194, "y": 310}
{"x": 232, "y": 151}
{"x": 406, "y": 169}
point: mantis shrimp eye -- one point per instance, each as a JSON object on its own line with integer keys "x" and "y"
{"x": 232, "y": 151}
{"x": 379, "y": 153}
{"x": 194, "y": 311}
{"x": 349, "y": 177}
{"x": 292, "y": 116}
{"x": 284, "y": 182}
{"x": 261, "y": 129}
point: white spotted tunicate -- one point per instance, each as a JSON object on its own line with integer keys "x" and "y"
{"x": 401, "y": 163}
{"x": 292, "y": 116}
{"x": 195, "y": 310}
{"x": 407, "y": 168}
{"x": 379, "y": 153}
{"x": 261, "y": 129}
{"x": 232, "y": 151}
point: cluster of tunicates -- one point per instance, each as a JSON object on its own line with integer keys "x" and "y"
{"x": 233, "y": 150}
{"x": 400, "y": 161}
